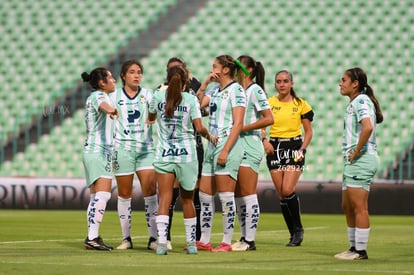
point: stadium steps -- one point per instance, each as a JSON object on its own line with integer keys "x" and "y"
{"x": 317, "y": 41}
{"x": 74, "y": 96}
{"x": 54, "y": 116}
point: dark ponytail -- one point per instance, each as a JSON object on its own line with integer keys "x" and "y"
{"x": 359, "y": 75}
{"x": 176, "y": 80}
{"x": 258, "y": 72}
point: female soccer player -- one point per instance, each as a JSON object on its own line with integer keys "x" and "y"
{"x": 134, "y": 151}
{"x": 97, "y": 152}
{"x": 258, "y": 116}
{"x": 176, "y": 157}
{"x": 192, "y": 87}
{"x": 221, "y": 163}
{"x": 360, "y": 158}
{"x": 286, "y": 149}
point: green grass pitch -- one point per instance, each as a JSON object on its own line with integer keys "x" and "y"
{"x": 50, "y": 242}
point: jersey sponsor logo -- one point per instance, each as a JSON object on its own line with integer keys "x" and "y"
{"x": 213, "y": 107}
{"x": 276, "y": 108}
{"x": 174, "y": 152}
{"x": 241, "y": 99}
{"x": 264, "y": 104}
{"x": 122, "y": 102}
{"x": 132, "y": 115}
{"x": 179, "y": 108}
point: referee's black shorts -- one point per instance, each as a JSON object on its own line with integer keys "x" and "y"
{"x": 287, "y": 151}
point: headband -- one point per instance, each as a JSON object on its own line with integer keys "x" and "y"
{"x": 242, "y": 67}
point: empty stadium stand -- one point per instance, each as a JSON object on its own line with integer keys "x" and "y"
{"x": 48, "y": 44}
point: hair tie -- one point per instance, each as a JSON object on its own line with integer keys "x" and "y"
{"x": 238, "y": 63}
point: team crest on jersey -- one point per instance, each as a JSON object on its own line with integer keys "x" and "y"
{"x": 142, "y": 99}
{"x": 225, "y": 94}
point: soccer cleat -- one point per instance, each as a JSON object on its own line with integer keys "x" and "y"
{"x": 239, "y": 246}
{"x": 96, "y": 244}
{"x": 238, "y": 243}
{"x": 152, "y": 243}
{"x": 351, "y": 250}
{"x": 243, "y": 245}
{"x": 192, "y": 249}
{"x": 161, "y": 249}
{"x": 349, "y": 255}
{"x": 297, "y": 238}
{"x": 126, "y": 244}
{"x": 223, "y": 247}
{"x": 203, "y": 246}
{"x": 169, "y": 245}
{"x": 252, "y": 245}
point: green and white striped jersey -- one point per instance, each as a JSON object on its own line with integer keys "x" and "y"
{"x": 176, "y": 140}
{"x": 221, "y": 106}
{"x": 98, "y": 124}
{"x": 360, "y": 107}
{"x": 256, "y": 103}
{"x": 132, "y": 132}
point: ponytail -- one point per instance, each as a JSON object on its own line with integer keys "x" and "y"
{"x": 258, "y": 72}
{"x": 176, "y": 79}
{"x": 359, "y": 75}
{"x": 378, "y": 113}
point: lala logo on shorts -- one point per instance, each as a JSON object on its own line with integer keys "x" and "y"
{"x": 175, "y": 152}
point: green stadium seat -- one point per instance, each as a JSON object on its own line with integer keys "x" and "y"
{"x": 313, "y": 39}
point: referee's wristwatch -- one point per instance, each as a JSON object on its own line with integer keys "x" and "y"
{"x": 303, "y": 150}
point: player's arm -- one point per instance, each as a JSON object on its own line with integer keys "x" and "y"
{"x": 263, "y": 122}
{"x": 366, "y": 131}
{"x": 152, "y": 117}
{"x": 198, "y": 125}
{"x": 238, "y": 117}
{"x": 107, "y": 108}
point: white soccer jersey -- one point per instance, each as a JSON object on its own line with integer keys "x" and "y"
{"x": 176, "y": 140}
{"x": 132, "y": 132}
{"x": 256, "y": 103}
{"x": 221, "y": 106}
{"x": 98, "y": 124}
{"x": 360, "y": 107}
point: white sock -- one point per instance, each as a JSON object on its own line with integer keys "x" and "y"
{"x": 91, "y": 199}
{"x": 361, "y": 238}
{"x": 124, "y": 214}
{"x": 190, "y": 230}
{"x": 96, "y": 212}
{"x": 252, "y": 216}
{"x": 151, "y": 206}
{"x": 241, "y": 214}
{"x": 206, "y": 216}
{"x": 228, "y": 215}
{"x": 162, "y": 222}
{"x": 351, "y": 236}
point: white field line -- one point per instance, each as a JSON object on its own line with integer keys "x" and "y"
{"x": 264, "y": 233}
